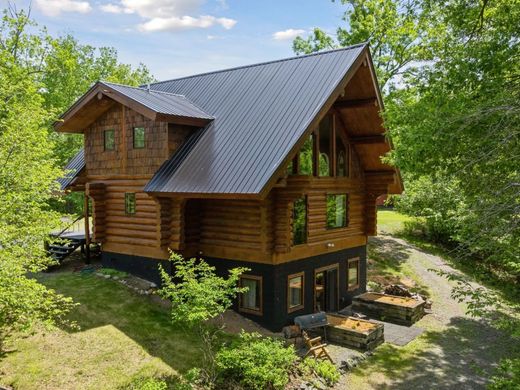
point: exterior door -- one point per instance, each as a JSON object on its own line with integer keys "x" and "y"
{"x": 326, "y": 289}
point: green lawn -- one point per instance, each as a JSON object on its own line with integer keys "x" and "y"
{"x": 389, "y": 221}
{"x": 122, "y": 336}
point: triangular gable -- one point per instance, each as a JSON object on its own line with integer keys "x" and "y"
{"x": 154, "y": 105}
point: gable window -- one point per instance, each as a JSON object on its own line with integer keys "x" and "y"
{"x": 138, "y": 137}
{"x": 130, "y": 203}
{"x": 325, "y": 147}
{"x": 250, "y": 301}
{"x": 306, "y": 159}
{"x": 300, "y": 221}
{"x": 342, "y": 157}
{"x": 353, "y": 273}
{"x": 337, "y": 213}
{"x": 109, "y": 139}
{"x": 295, "y": 292}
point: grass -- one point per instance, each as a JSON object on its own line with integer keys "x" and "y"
{"x": 389, "y": 221}
{"x": 122, "y": 336}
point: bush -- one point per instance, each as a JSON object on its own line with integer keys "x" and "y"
{"x": 148, "y": 384}
{"x": 322, "y": 368}
{"x": 255, "y": 362}
{"x": 508, "y": 375}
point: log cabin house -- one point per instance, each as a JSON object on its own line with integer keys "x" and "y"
{"x": 273, "y": 166}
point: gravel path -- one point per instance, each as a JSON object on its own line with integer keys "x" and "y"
{"x": 455, "y": 352}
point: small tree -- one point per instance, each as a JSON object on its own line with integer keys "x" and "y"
{"x": 197, "y": 295}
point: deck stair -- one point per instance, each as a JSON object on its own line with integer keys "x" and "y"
{"x": 63, "y": 248}
{"x": 64, "y": 243}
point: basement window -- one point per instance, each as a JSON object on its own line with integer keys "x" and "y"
{"x": 109, "y": 139}
{"x": 251, "y": 300}
{"x": 295, "y": 292}
{"x": 337, "y": 213}
{"x": 138, "y": 137}
{"x": 129, "y": 203}
{"x": 352, "y": 273}
{"x": 300, "y": 221}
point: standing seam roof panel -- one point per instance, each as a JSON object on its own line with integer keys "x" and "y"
{"x": 260, "y": 112}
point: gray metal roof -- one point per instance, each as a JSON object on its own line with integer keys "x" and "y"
{"x": 261, "y": 111}
{"x": 160, "y": 101}
{"x": 72, "y": 169}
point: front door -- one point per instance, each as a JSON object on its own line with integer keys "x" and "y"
{"x": 326, "y": 289}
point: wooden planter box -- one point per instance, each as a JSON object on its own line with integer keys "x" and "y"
{"x": 354, "y": 332}
{"x": 398, "y": 310}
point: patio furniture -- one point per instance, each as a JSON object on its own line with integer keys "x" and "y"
{"x": 316, "y": 348}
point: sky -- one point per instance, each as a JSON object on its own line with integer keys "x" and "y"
{"x": 176, "y": 38}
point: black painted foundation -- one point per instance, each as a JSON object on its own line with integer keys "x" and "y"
{"x": 274, "y": 280}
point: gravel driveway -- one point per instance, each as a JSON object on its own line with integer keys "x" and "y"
{"x": 455, "y": 351}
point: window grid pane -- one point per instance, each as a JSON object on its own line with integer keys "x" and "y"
{"x": 353, "y": 274}
{"x": 295, "y": 291}
{"x": 138, "y": 137}
{"x": 300, "y": 221}
{"x": 336, "y": 211}
{"x": 109, "y": 139}
{"x": 250, "y": 299}
{"x": 129, "y": 203}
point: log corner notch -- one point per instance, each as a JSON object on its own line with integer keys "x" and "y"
{"x": 377, "y": 183}
{"x": 96, "y": 192}
{"x": 170, "y": 226}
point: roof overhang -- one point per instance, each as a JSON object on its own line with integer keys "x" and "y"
{"x": 100, "y": 98}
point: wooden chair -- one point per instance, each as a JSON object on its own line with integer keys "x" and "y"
{"x": 316, "y": 348}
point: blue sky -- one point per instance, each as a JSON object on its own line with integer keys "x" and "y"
{"x": 181, "y": 37}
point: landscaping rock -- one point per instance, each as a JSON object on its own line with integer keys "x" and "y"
{"x": 106, "y": 276}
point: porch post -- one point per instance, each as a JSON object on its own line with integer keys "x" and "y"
{"x": 87, "y": 230}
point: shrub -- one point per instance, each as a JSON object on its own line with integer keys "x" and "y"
{"x": 322, "y": 368}
{"x": 255, "y": 362}
{"x": 148, "y": 384}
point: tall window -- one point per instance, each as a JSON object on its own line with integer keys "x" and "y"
{"x": 129, "y": 203}
{"x": 251, "y": 300}
{"x": 306, "y": 159}
{"x": 138, "y": 137}
{"x": 295, "y": 292}
{"x": 353, "y": 273}
{"x": 342, "y": 157}
{"x": 109, "y": 139}
{"x": 325, "y": 146}
{"x": 300, "y": 221}
{"x": 337, "y": 211}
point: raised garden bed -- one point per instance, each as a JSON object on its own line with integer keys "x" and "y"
{"x": 354, "y": 332}
{"x": 391, "y": 308}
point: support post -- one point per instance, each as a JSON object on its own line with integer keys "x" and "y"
{"x": 87, "y": 230}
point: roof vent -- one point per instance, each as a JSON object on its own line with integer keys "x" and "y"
{"x": 148, "y": 87}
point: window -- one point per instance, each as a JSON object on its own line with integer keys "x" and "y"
{"x": 251, "y": 300}
{"x": 325, "y": 149}
{"x": 300, "y": 221}
{"x": 129, "y": 203}
{"x": 109, "y": 139}
{"x": 138, "y": 137}
{"x": 353, "y": 273}
{"x": 342, "y": 157}
{"x": 295, "y": 292}
{"x": 306, "y": 160}
{"x": 337, "y": 211}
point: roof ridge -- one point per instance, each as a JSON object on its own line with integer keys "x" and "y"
{"x": 143, "y": 88}
{"x": 265, "y": 63}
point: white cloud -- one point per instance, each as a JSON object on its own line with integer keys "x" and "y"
{"x": 288, "y": 34}
{"x": 115, "y": 9}
{"x": 56, "y": 7}
{"x": 168, "y": 15}
{"x": 175, "y": 23}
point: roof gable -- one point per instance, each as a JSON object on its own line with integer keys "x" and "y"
{"x": 261, "y": 114}
{"x": 155, "y": 105}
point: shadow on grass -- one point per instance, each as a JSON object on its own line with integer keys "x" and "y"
{"x": 106, "y": 302}
{"x": 462, "y": 356}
